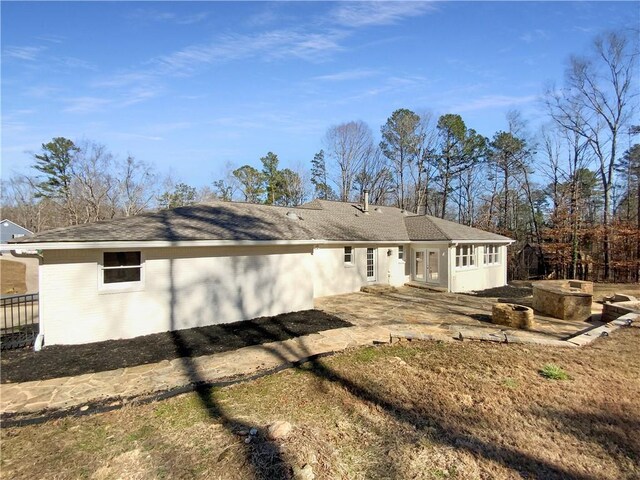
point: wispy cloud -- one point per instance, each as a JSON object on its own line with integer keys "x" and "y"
{"x": 346, "y": 75}
{"x": 493, "y": 101}
{"x": 272, "y": 45}
{"x": 85, "y": 104}
{"x": 95, "y": 104}
{"x": 152, "y": 15}
{"x": 28, "y": 53}
{"x": 534, "y": 35}
{"x": 364, "y": 14}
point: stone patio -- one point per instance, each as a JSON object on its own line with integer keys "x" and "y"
{"x": 442, "y": 312}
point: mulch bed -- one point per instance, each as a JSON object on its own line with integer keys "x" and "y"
{"x": 67, "y": 360}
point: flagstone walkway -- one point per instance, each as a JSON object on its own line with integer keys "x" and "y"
{"x": 376, "y": 319}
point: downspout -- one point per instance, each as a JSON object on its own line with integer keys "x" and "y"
{"x": 39, "y": 341}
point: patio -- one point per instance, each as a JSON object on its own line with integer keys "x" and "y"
{"x": 443, "y": 313}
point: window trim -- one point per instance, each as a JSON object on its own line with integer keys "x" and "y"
{"x": 472, "y": 257}
{"x": 495, "y": 254}
{"x": 352, "y": 251}
{"x": 119, "y": 287}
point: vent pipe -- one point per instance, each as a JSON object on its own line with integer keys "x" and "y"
{"x": 366, "y": 201}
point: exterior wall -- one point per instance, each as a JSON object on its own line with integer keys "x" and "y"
{"x": 10, "y": 230}
{"x": 182, "y": 288}
{"x": 481, "y": 276}
{"x": 443, "y": 262}
{"x": 333, "y": 277}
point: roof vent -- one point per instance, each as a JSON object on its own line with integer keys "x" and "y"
{"x": 293, "y": 215}
{"x": 378, "y": 209}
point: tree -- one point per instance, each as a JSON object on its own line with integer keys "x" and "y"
{"x": 348, "y": 145}
{"x": 290, "y": 188}
{"x": 458, "y": 149}
{"x": 271, "y": 178}
{"x": 507, "y": 152}
{"x": 401, "y": 140}
{"x": 181, "y": 196}
{"x": 93, "y": 183}
{"x": 135, "y": 186}
{"x": 251, "y": 183}
{"x": 600, "y": 84}
{"x": 55, "y": 163}
{"x": 319, "y": 177}
{"x": 222, "y": 190}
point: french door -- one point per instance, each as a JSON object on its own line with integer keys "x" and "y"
{"x": 426, "y": 265}
{"x": 371, "y": 264}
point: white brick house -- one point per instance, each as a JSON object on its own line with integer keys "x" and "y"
{"x": 226, "y": 262}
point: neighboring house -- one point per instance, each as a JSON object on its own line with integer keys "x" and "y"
{"x": 10, "y": 231}
{"x": 225, "y": 262}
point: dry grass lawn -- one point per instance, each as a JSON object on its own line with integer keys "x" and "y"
{"x": 409, "y": 411}
{"x": 12, "y": 277}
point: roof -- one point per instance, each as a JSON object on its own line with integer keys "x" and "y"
{"x": 319, "y": 220}
{"x": 426, "y": 227}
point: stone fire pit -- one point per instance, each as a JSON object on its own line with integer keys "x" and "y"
{"x": 564, "y": 299}
{"x": 512, "y": 315}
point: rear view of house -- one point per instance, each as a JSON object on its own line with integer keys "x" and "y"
{"x": 225, "y": 262}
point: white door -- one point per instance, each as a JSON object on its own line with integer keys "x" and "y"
{"x": 418, "y": 265}
{"x": 371, "y": 264}
{"x": 433, "y": 266}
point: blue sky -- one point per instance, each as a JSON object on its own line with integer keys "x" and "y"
{"x": 193, "y": 86}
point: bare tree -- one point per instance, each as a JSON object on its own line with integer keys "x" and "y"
{"x": 600, "y": 86}
{"x": 348, "y": 146}
{"x": 135, "y": 186}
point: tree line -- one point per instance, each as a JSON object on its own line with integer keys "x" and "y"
{"x": 568, "y": 192}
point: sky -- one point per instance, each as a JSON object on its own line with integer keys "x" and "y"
{"x": 194, "y": 87}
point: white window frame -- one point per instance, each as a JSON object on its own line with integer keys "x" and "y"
{"x": 469, "y": 252}
{"x": 119, "y": 287}
{"x": 352, "y": 251}
{"x": 492, "y": 255}
{"x": 401, "y": 254}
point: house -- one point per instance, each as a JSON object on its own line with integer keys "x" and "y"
{"x": 10, "y": 230}
{"x": 225, "y": 262}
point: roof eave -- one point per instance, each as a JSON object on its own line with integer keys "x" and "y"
{"x": 129, "y": 244}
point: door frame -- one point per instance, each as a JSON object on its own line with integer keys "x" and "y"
{"x": 426, "y": 265}
{"x": 374, "y": 255}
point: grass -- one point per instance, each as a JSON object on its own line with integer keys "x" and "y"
{"x": 13, "y": 278}
{"x": 422, "y": 410}
{"x": 553, "y": 372}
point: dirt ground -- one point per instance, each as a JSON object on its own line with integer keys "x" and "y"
{"x": 414, "y": 410}
{"x": 12, "y": 277}
{"x": 66, "y": 360}
{"x": 15, "y": 279}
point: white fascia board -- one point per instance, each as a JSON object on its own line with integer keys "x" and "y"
{"x": 363, "y": 242}
{"x": 157, "y": 244}
{"x": 479, "y": 242}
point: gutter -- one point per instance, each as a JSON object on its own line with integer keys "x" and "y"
{"x": 160, "y": 244}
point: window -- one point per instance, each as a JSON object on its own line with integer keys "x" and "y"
{"x": 401, "y": 253}
{"x": 121, "y": 267}
{"x": 348, "y": 255}
{"x": 491, "y": 255}
{"x": 465, "y": 256}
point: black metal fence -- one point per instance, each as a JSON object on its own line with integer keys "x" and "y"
{"x": 19, "y": 317}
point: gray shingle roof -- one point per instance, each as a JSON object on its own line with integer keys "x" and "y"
{"x": 425, "y": 227}
{"x": 316, "y": 220}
